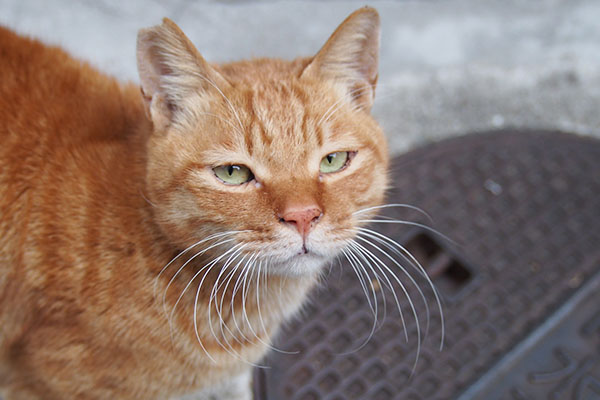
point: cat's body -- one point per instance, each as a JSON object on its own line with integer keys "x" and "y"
{"x": 100, "y": 190}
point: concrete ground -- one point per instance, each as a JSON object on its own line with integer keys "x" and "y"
{"x": 447, "y": 67}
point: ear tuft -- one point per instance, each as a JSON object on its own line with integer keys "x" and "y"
{"x": 171, "y": 70}
{"x": 351, "y": 57}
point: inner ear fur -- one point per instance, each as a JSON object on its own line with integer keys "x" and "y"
{"x": 171, "y": 69}
{"x": 350, "y": 57}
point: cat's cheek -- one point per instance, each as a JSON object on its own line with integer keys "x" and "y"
{"x": 325, "y": 244}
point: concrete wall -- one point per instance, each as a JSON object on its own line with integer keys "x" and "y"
{"x": 447, "y": 67}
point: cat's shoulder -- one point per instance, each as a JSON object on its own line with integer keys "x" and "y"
{"x": 39, "y": 66}
{"x": 21, "y": 53}
{"x": 45, "y": 83}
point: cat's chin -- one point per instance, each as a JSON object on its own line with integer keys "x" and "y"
{"x": 300, "y": 265}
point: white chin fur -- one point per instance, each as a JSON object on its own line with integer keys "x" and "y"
{"x": 299, "y": 265}
{"x": 294, "y": 258}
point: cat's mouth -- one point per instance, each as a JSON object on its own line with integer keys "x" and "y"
{"x": 309, "y": 250}
{"x": 313, "y": 248}
{"x": 303, "y": 260}
{"x": 303, "y": 251}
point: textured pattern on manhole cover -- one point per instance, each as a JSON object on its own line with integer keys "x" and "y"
{"x": 524, "y": 210}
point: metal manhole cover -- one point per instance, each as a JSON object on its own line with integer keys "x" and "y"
{"x": 524, "y": 209}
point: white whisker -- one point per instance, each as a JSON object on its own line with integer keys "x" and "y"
{"x": 423, "y": 273}
{"x": 399, "y": 205}
{"x": 241, "y": 284}
{"x": 209, "y": 265}
{"x": 400, "y": 266}
{"x": 375, "y": 309}
{"x": 212, "y": 264}
{"x": 380, "y": 264}
{"x": 214, "y": 293}
{"x": 231, "y": 124}
{"x": 214, "y": 85}
{"x": 260, "y": 318}
{"x": 164, "y": 299}
{"x": 227, "y": 346}
{"x": 428, "y": 228}
{"x": 229, "y": 278}
{"x": 389, "y": 285}
{"x": 245, "y": 293}
{"x": 340, "y": 103}
{"x": 211, "y": 237}
{"x": 358, "y": 269}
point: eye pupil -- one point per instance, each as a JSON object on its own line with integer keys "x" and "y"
{"x": 334, "y": 162}
{"x": 233, "y": 174}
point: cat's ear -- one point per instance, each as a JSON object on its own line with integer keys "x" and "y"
{"x": 351, "y": 57}
{"x": 171, "y": 70}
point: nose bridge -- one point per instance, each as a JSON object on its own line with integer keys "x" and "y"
{"x": 299, "y": 208}
{"x": 296, "y": 195}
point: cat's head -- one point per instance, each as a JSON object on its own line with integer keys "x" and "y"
{"x": 271, "y": 158}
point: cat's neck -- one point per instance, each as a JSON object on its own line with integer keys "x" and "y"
{"x": 232, "y": 305}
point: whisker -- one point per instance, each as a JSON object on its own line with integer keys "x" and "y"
{"x": 164, "y": 299}
{"x": 229, "y": 278}
{"x": 244, "y": 309}
{"x": 146, "y": 199}
{"x": 252, "y": 268}
{"x": 227, "y": 346}
{"x": 214, "y": 293}
{"x": 260, "y": 317}
{"x": 237, "y": 286}
{"x": 423, "y": 273}
{"x": 211, "y": 237}
{"x": 196, "y": 318}
{"x": 380, "y": 263}
{"x": 282, "y": 282}
{"x": 245, "y": 283}
{"x": 245, "y": 297}
{"x": 375, "y": 310}
{"x": 231, "y": 124}
{"x": 400, "y": 266}
{"x": 357, "y": 271}
{"x": 209, "y": 317}
{"x": 399, "y": 205}
{"x": 428, "y": 228}
{"x": 381, "y": 285}
{"x": 214, "y": 85}
{"x": 208, "y": 267}
{"x": 357, "y": 246}
{"x": 340, "y": 103}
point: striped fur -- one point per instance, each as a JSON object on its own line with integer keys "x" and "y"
{"x": 101, "y": 188}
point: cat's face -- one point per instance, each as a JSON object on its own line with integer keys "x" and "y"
{"x": 273, "y": 158}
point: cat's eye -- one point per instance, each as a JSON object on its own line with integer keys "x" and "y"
{"x": 233, "y": 174}
{"x": 334, "y": 162}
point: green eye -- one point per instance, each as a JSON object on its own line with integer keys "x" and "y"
{"x": 233, "y": 174}
{"x": 334, "y": 162}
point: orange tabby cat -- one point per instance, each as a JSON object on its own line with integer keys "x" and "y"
{"x": 150, "y": 246}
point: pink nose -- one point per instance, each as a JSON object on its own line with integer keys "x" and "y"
{"x": 302, "y": 217}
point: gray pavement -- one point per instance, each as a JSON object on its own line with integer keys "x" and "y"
{"x": 447, "y": 67}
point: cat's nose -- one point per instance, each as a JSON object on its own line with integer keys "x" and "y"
{"x": 303, "y": 218}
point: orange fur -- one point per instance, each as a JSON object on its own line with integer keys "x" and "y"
{"x": 101, "y": 188}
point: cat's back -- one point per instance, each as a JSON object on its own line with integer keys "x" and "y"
{"x": 50, "y": 99}
{"x": 58, "y": 117}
